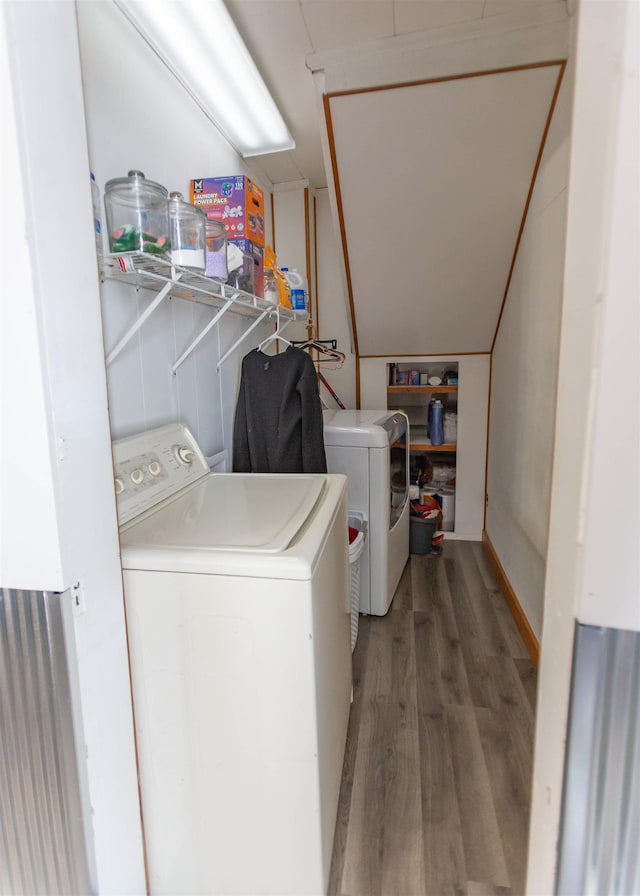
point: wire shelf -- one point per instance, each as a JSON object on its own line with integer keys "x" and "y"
{"x": 167, "y": 279}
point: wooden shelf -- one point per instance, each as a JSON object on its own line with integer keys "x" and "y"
{"x": 428, "y": 447}
{"x": 419, "y": 390}
{"x": 418, "y": 441}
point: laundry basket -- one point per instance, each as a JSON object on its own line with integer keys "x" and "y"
{"x": 358, "y": 522}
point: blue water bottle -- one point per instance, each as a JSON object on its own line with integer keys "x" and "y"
{"x": 436, "y": 429}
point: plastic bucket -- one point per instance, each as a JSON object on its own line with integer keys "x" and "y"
{"x": 421, "y": 534}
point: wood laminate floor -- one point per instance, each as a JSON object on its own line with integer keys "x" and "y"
{"x": 436, "y": 781}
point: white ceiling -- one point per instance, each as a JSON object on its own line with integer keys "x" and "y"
{"x": 282, "y": 34}
{"x": 435, "y": 117}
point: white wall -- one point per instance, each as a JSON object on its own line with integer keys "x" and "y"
{"x": 57, "y": 480}
{"x": 612, "y": 536}
{"x": 333, "y": 320}
{"x": 290, "y": 204}
{"x": 27, "y": 487}
{"x": 585, "y": 580}
{"x": 329, "y": 311}
{"x": 290, "y": 233}
{"x": 524, "y": 377}
{"x": 138, "y": 116}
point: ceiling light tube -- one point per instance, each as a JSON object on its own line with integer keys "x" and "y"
{"x": 198, "y": 42}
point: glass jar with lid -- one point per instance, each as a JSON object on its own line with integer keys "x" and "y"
{"x": 187, "y": 231}
{"x": 137, "y": 215}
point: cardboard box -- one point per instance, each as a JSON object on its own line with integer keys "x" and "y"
{"x": 252, "y": 270}
{"x": 236, "y": 201}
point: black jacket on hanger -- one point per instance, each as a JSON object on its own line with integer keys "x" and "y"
{"x": 278, "y": 424}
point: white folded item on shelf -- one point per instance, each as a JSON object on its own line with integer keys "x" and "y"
{"x": 450, "y": 427}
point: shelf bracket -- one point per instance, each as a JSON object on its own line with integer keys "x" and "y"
{"x": 214, "y": 320}
{"x": 147, "y": 271}
{"x": 166, "y": 289}
{"x": 242, "y": 338}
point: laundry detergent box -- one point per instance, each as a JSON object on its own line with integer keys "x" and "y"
{"x": 236, "y": 201}
{"x": 245, "y": 261}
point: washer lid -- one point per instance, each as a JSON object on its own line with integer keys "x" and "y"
{"x": 229, "y": 512}
{"x": 365, "y": 428}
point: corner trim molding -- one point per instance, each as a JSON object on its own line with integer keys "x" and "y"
{"x": 520, "y": 619}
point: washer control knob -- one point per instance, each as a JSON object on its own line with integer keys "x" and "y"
{"x": 137, "y": 476}
{"x": 183, "y": 454}
{"x": 119, "y": 483}
{"x": 154, "y": 468}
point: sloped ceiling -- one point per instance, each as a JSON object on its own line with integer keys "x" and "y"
{"x": 426, "y": 119}
{"x": 432, "y": 182}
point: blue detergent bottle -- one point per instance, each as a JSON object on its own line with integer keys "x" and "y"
{"x": 436, "y": 428}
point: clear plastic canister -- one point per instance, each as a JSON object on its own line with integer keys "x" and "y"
{"x": 216, "y": 250}
{"x": 187, "y": 231}
{"x": 270, "y": 287}
{"x": 240, "y": 268}
{"x": 137, "y": 215}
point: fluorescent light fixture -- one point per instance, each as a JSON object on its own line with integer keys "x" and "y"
{"x": 198, "y": 42}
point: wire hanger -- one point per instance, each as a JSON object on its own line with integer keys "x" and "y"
{"x": 326, "y": 347}
{"x": 277, "y": 334}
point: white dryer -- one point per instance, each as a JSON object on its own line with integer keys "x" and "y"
{"x": 237, "y": 604}
{"x": 372, "y": 449}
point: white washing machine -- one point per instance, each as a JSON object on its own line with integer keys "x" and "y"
{"x": 372, "y": 449}
{"x": 237, "y": 604}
